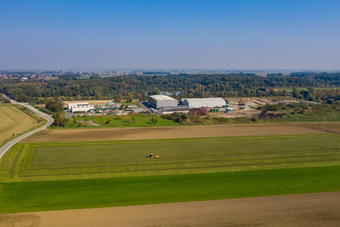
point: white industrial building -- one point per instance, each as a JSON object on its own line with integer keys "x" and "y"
{"x": 204, "y": 102}
{"x": 79, "y": 107}
{"x": 157, "y": 101}
{"x": 173, "y": 109}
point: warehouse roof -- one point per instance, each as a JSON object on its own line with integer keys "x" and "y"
{"x": 162, "y": 97}
{"x": 205, "y": 102}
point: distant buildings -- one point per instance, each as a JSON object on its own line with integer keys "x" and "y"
{"x": 160, "y": 103}
{"x": 173, "y": 109}
{"x": 79, "y": 107}
{"x": 157, "y": 101}
{"x": 166, "y": 104}
{"x": 203, "y": 102}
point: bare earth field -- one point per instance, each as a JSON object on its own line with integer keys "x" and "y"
{"x": 13, "y": 121}
{"x": 317, "y": 209}
{"x": 329, "y": 127}
{"x": 105, "y": 134}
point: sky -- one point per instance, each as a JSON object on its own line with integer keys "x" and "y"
{"x": 169, "y": 34}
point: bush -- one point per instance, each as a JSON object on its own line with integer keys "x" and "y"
{"x": 60, "y": 120}
{"x": 220, "y": 119}
{"x": 6, "y": 100}
{"x": 153, "y": 120}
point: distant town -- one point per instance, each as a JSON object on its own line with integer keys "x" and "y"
{"x": 50, "y": 75}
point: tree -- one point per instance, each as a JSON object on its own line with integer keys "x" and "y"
{"x": 41, "y": 100}
{"x": 54, "y": 105}
{"x": 154, "y": 120}
{"x": 120, "y": 97}
{"x": 130, "y": 97}
{"x": 295, "y": 92}
{"x": 6, "y": 100}
{"x": 60, "y": 120}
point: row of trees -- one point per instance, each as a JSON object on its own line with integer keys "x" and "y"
{"x": 329, "y": 96}
{"x": 182, "y": 85}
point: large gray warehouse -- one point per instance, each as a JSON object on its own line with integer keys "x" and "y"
{"x": 204, "y": 102}
{"x": 157, "y": 101}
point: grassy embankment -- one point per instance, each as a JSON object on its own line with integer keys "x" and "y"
{"x": 47, "y": 176}
{"x": 16, "y": 120}
{"x": 312, "y": 116}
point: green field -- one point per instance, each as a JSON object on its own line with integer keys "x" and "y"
{"x": 56, "y": 161}
{"x": 107, "y": 192}
{"x": 49, "y": 176}
{"x": 131, "y": 120}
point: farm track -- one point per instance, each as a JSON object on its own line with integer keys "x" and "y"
{"x": 107, "y": 134}
{"x": 315, "y": 209}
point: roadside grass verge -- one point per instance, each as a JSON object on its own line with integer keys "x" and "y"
{"x": 108, "y": 192}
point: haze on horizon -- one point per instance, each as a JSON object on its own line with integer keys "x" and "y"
{"x": 190, "y": 34}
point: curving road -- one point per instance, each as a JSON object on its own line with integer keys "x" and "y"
{"x": 49, "y": 119}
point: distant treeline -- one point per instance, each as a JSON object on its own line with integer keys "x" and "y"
{"x": 180, "y": 85}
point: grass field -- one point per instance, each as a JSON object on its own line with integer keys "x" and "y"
{"x": 55, "y": 176}
{"x": 89, "y": 193}
{"x": 13, "y": 122}
{"x": 131, "y": 120}
{"x": 55, "y": 161}
{"x": 201, "y": 131}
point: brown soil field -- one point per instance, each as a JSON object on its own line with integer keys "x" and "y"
{"x": 104, "y": 134}
{"x": 13, "y": 121}
{"x": 317, "y": 209}
{"x": 330, "y": 127}
{"x": 248, "y": 113}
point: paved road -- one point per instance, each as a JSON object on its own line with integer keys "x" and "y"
{"x": 49, "y": 119}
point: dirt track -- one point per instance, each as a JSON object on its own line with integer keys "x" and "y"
{"x": 102, "y": 134}
{"x": 318, "y": 209}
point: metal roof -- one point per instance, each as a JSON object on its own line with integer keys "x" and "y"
{"x": 205, "y": 102}
{"x": 161, "y": 97}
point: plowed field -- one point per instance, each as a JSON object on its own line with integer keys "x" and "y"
{"x": 104, "y": 134}
{"x": 318, "y": 209}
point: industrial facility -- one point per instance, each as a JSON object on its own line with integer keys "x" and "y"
{"x": 203, "y": 102}
{"x": 158, "y": 101}
{"x": 166, "y": 104}
{"x": 173, "y": 109}
{"x": 160, "y": 104}
{"x": 79, "y": 107}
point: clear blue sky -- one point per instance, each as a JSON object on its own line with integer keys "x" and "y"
{"x": 166, "y": 34}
